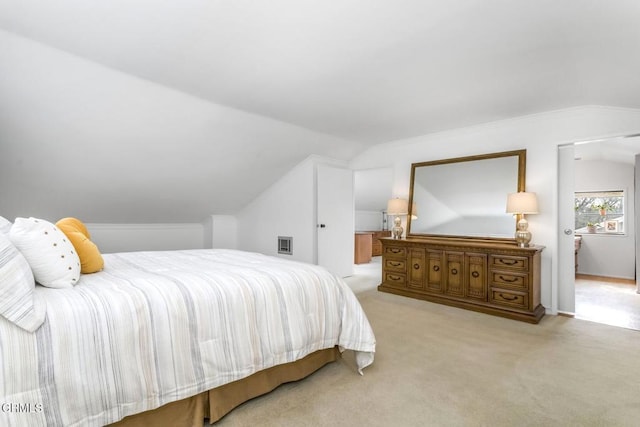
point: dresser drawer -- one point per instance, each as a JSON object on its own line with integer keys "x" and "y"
{"x": 509, "y": 279}
{"x": 509, "y": 298}
{"x": 510, "y": 262}
{"x": 395, "y": 279}
{"x": 395, "y": 251}
{"x": 395, "y": 265}
{"x": 490, "y": 277}
{"x": 376, "y": 248}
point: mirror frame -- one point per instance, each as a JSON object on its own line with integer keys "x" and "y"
{"x": 522, "y": 164}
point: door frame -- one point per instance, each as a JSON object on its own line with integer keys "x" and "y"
{"x": 565, "y": 296}
{"x": 556, "y": 286}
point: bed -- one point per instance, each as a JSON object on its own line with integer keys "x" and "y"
{"x": 174, "y": 337}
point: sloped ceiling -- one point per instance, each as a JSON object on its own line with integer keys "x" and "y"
{"x": 325, "y": 77}
{"x": 622, "y": 149}
{"x": 372, "y": 189}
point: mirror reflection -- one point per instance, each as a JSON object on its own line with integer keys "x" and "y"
{"x": 466, "y": 196}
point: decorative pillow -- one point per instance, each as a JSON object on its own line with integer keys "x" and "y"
{"x": 17, "y": 300}
{"x": 48, "y": 251}
{"x": 90, "y": 258}
{"x": 5, "y": 225}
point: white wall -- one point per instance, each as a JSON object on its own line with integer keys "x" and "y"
{"x": 221, "y": 231}
{"x": 540, "y": 135}
{"x": 372, "y": 191}
{"x": 602, "y": 254}
{"x": 369, "y": 220}
{"x": 146, "y": 237}
{"x": 372, "y": 188}
{"x": 217, "y": 231}
{"x": 287, "y": 208}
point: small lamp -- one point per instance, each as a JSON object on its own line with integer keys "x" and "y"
{"x": 397, "y": 207}
{"x": 520, "y": 204}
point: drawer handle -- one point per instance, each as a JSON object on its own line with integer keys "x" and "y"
{"x": 395, "y": 264}
{"x": 454, "y": 271}
{"x": 504, "y": 279}
{"x": 475, "y": 274}
{"x": 395, "y": 250}
{"x": 395, "y": 278}
{"x": 436, "y": 268}
{"x": 416, "y": 266}
{"x": 508, "y": 262}
{"x": 507, "y": 298}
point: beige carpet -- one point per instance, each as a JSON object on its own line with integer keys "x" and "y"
{"x": 441, "y": 366}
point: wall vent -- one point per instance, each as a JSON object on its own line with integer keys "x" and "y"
{"x": 285, "y": 245}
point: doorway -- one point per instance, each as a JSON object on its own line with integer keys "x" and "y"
{"x": 604, "y": 289}
{"x": 372, "y": 190}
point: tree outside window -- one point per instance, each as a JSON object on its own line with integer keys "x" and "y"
{"x": 599, "y": 212}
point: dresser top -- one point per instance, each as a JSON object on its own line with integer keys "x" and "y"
{"x": 461, "y": 242}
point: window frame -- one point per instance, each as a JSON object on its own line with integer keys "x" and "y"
{"x": 599, "y": 197}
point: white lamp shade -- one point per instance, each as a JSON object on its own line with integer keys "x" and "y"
{"x": 522, "y": 203}
{"x": 398, "y": 207}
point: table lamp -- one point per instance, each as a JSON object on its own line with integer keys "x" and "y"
{"x": 520, "y": 204}
{"x": 397, "y": 207}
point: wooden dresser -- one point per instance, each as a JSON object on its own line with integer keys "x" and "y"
{"x": 367, "y": 244}
{"x": 362, "y": 247}
{"x": 376, "y": 244}
{"x": 495, "y": 278}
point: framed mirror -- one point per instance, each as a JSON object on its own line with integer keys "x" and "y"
{"x": 466, "y": 196}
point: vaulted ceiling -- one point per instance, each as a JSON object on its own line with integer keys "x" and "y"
{"x": 351, "y": 72}
{"x": 367, "y": 70}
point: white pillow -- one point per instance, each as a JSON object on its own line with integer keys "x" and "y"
{"x": 5, "y": 225}
{"x": 17, "y": 299}
{"x": 48, "y": 251}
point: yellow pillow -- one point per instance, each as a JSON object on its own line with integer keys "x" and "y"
{"x": 90, "y": 258}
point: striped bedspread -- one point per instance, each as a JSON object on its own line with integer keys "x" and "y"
{"x": 156, "y": 327}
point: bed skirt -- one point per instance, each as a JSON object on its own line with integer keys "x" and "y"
{"x": 216, "y": 403}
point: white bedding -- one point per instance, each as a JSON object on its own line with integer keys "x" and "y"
{"x": 156, "y": 327}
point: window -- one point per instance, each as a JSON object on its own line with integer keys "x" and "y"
{"x": 600, "y": 212}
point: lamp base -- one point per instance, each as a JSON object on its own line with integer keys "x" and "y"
{"x": 523, "y": 236}
{"x": 397, "y": 230}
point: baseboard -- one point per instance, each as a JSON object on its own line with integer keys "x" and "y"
{"x": 566, "y": 314}
{"x": 605, "y": 279}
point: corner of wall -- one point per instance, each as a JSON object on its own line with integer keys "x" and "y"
{"x": 207, "y": 232}
{"x": 220, "y": 232}
{"x": 286, "y": 208}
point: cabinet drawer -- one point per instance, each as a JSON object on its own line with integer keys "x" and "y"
{"x": 509, "y": 279}
{"x": 509, "y": 298}
{"x": 395, "y": 279}
{"x": 395, "y": 265}
{"x": 511, "y": 262}
{"x": 376, "y": 248}
{"x": 395, "y": 251}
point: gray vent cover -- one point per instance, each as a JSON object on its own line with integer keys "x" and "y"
{"x": 285, "y": 245}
